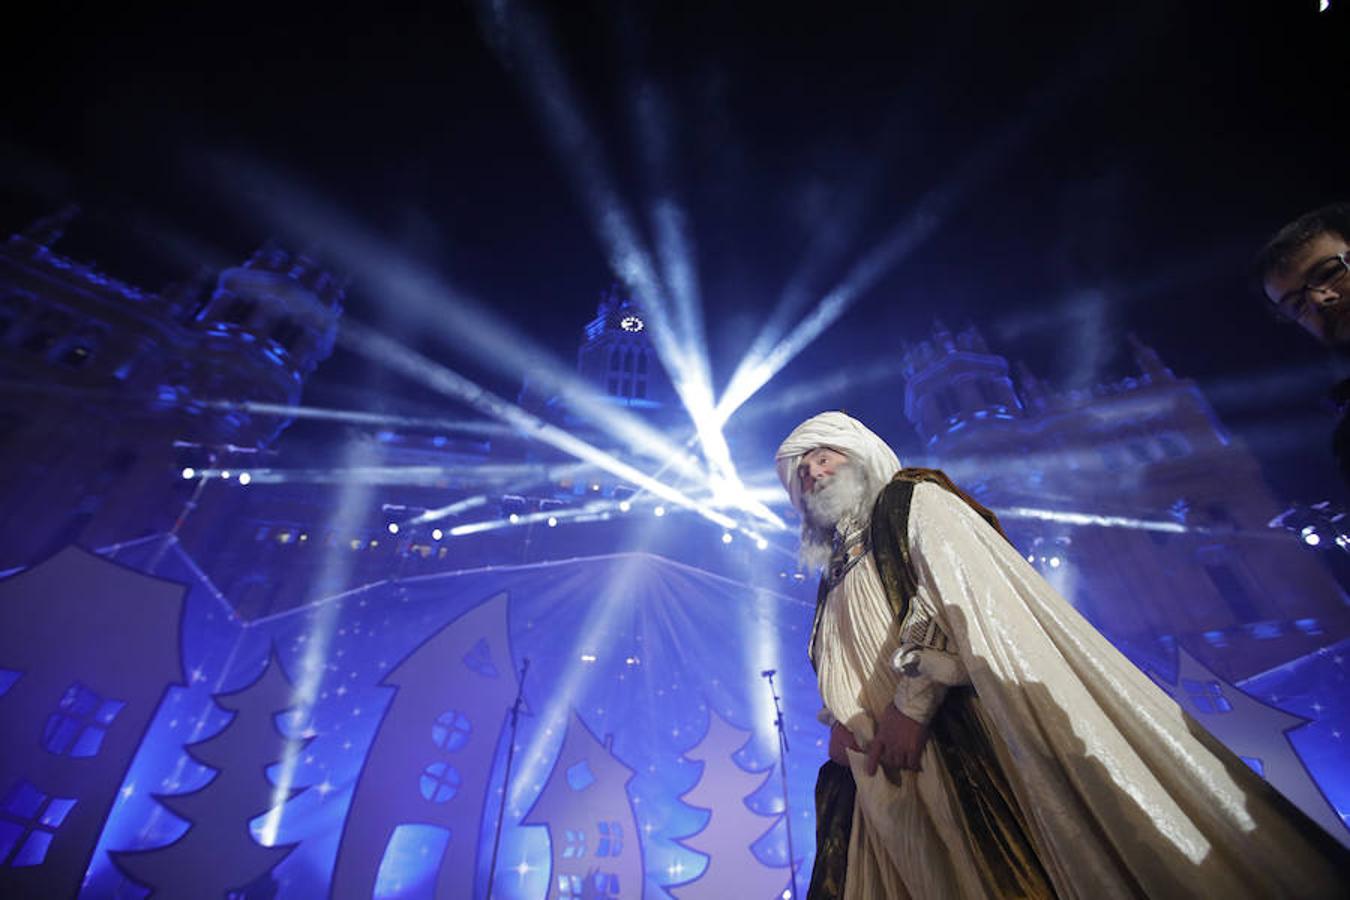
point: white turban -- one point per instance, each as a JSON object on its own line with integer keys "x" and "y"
{"x": 841, "y": 432}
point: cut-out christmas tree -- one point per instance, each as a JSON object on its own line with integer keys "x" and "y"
{"x": 417, "y": 810}
{"x": 218, "y": 854}
{"x": 726, "y": 840}
{"x": 591, "y": 828}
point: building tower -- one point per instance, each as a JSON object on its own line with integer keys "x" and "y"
{"x": 264, "y": 329}
{"x": 953, "y": 380}
{"x": 617, "y": 357}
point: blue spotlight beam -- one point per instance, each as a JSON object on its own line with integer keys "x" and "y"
{"x": 359, "y": 417}
{"x": 924, "y": 218}
{"x": 412, "y": 365}
{"x": 407, "y": 475}
{"x": 671, "y": 302}
{"x": 448, "y": 314}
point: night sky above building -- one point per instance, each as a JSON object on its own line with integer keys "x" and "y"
{"x": 1060, "y": 175}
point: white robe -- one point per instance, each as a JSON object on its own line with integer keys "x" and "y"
{"x": 1121, "y": 799}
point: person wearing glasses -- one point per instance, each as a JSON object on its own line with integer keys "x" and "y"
{"x": 1303, "y": 270}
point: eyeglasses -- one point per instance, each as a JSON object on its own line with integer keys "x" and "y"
{"x": 1323, "y": 276}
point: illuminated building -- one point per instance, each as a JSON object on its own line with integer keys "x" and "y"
{"x": 1148, "y": 450}
{"x": 107, "y": 385}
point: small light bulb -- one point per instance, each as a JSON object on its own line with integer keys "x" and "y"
{"x": 393, "y": 528}
{"x": 189, "y": 473}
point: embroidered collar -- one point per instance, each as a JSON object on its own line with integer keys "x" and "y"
{"x": 848, "y": 552}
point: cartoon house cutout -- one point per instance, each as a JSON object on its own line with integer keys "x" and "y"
{"x": 87, "y": 650}
{"x": 591, "y": 827}
{"x": 1253, "y": 730}
{"x": 425, "y": 780}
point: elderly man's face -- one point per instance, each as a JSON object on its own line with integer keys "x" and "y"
{"x": 1323, "y": 311}
{"x": 817, "y": 466}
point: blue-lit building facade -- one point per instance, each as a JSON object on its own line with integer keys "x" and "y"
{"x": 391, "y": 582}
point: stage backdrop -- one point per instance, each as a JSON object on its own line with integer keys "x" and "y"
{"x": 358, "y": 747}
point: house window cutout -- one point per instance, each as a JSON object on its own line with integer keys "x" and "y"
{"x": 80, "y": 723}
{"x": 479, "y": 659}
{"x": 579, "y": 776}
{"x": 574, "y": 844}
{"x": 451, "y": 731}
{"x": 611, "y": 839}
{"x": 603, "y": 884}
{"x": 29, "y": 820}
{"x": 1207, "y": 696}
{"x": 440, "y": 782}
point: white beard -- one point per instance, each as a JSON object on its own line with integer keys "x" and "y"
{"x": 840, "y": 503}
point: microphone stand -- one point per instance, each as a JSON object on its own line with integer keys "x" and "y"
{"x": 506, "y": 779}
{"x": 782, "y": 768}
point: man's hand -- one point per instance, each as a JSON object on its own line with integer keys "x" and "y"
{"x": 841, "y": 741}
{"x": 898, "y": 743}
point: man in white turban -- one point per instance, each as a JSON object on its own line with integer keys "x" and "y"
{"x": 986, "y": 740}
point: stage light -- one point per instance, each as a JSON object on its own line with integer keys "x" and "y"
{"x": 453, "y": 509}
{"x": 225, "y": 474}
{"x": 625, "y": 506}
{"x": 1310, "y": 536}
{"x": 513, "y": 518}
{"x": 189, "y": 473}
{"x": 659, "y": 511}
{"x": 762, "y": 544}
{"x": 588, "y": 657}
{"x": 393, "y": 528}
{"x": 437, "y": 534}
{"x": 552, "y": 521}
{"x": 1073, "y": 518}
{"x": 245, "y": 478}
{"x": 726, "y": 537}
{"x": 1054, "y": 562}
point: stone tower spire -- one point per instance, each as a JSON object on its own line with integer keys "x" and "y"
{"x": 952, "y": 380}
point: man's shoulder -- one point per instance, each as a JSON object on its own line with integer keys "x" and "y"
{"x": 905, "y": 487}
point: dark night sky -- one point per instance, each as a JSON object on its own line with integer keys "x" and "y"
{"x": 1139, "y": 153}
